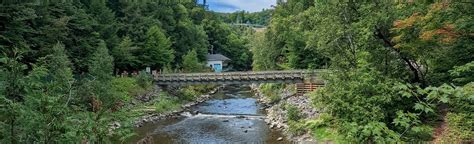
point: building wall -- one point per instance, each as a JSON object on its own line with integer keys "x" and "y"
{"x": 211, "y": 63}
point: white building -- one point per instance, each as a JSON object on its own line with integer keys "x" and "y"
{"x": 217, "y": 61}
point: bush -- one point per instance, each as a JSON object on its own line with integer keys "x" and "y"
{"x": 272, "y": 91}
{"x": 459, "y": 129}
{"x": 191, "y": 92}
{"x": 126, "y": 87}
{"x": 460, "y": 119}
{"x": 293, "y": 113}
{"x": 296, "y": 127}
{"x": 321, "y": 131}
{"x": 360, "y": 101}
{"x": 144, "y": 80}
{"x": 166, "y": 103}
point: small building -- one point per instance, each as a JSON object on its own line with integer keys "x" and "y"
{"x": 217, "y": 61}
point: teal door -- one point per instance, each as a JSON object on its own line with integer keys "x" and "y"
{"x": 217, "y": 68}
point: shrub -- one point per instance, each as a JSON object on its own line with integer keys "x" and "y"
{"x": 144, "y": 80}
{"x": 296, "y": 127}
{"x": 272, "y": 91}
{"x": 126, "y": 87}
{"x": 459, "y": 129}
{"x": 460, "y": 119}
{"x": 293, "y": 113}
{"x": 166, "y": 103}
{"x": 191, "y": 92}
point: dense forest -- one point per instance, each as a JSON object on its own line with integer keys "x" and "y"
{"x": 257, "y": 18}
{"x": 399, "y": 70}
{"x": 58, "y": 61}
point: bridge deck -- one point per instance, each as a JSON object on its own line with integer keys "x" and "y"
{"x": 295, "y": 76}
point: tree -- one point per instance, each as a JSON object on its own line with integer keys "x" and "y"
{"x": 123, "y": 55}
{"x": 47, "y": 105}
{"x": 158, "y": 53}
{"x": 101, "y": 64}
{"x": 102, "y": 103}
{"x": 188, "y": 37}
{"x": 106, "y": 24}
{"x": 191, "y": 62}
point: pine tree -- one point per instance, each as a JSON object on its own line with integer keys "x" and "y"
{"x": 46, "y": 106}
{"x": 103, "y": 105}
{"x": 101, "y": 63}
{"x": 158, "y": 53}
{"x": 123, "y": 56}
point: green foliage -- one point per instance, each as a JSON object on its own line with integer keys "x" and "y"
{"x": 123, "y": 54}
{"x": 144, "y": 80}
{"x": 228, "y": 41}
{"x": 101, "y": 64}
{"x": 272, "y": 91}
{"x": 259, "y": 18}
{"x": 293, "y": 113}
{"x": 263, "y": 55}
{"x": 58, "y": 59}
{"x": 360, "y": 102}
{"x": 460, "y": 118}
{"x": 463, "y": 74}
{"x": 189, "y": 93}
{"x": 296, "y": 127}
{"x": 126, "y": 88}
{"x": 158, "y": 52}
{"x": 166, "y": 103}
{"x": 191, "y": 62}
{"x": 388, "y": 60}
{"x": 459, "y": 128}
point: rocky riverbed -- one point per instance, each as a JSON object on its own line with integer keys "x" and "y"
{"x": 232, "y": 115}
{"x": 276, "y": 117}
{"x": 154, "y": 117}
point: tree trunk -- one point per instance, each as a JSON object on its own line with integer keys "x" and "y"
{"x": 387, "y": 42}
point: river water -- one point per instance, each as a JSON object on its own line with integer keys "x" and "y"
{"x": 232, "y": 115}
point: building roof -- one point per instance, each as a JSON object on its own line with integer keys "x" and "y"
{"x": 216, "y": 57}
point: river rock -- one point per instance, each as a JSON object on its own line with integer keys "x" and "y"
{"x": 272, "y": 126}
{"x": 225, "y": 120}
{"x": 240, "y": 117}
{"x": 245, "y": 131}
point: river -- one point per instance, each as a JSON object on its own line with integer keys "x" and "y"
{"x": 232, "y": 115}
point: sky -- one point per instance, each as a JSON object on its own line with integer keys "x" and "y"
{"x": 237, "y": 5}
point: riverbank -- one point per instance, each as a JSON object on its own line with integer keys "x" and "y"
{"x": 231, "y": 115}
{"x": 153, "y": 115}
{"x": 278, "y": 113}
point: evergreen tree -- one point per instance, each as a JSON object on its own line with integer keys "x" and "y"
{"x": 123, "y": 55}
{"x": 102, "y": 103}
{"x": 46, "y": 107}
{"x": 106, "y": 22}
{"x": 101, "y": 64}
{"x": 157, "y": 52}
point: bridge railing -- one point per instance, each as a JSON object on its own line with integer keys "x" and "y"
{"x": 224, "y": 75}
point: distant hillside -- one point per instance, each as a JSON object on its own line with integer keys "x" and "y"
{"x": 260, "y": 18}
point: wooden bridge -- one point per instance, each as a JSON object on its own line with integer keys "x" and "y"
{"x": 306, "y": 80}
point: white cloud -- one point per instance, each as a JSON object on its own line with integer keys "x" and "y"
{"x": 234, "y": 5}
